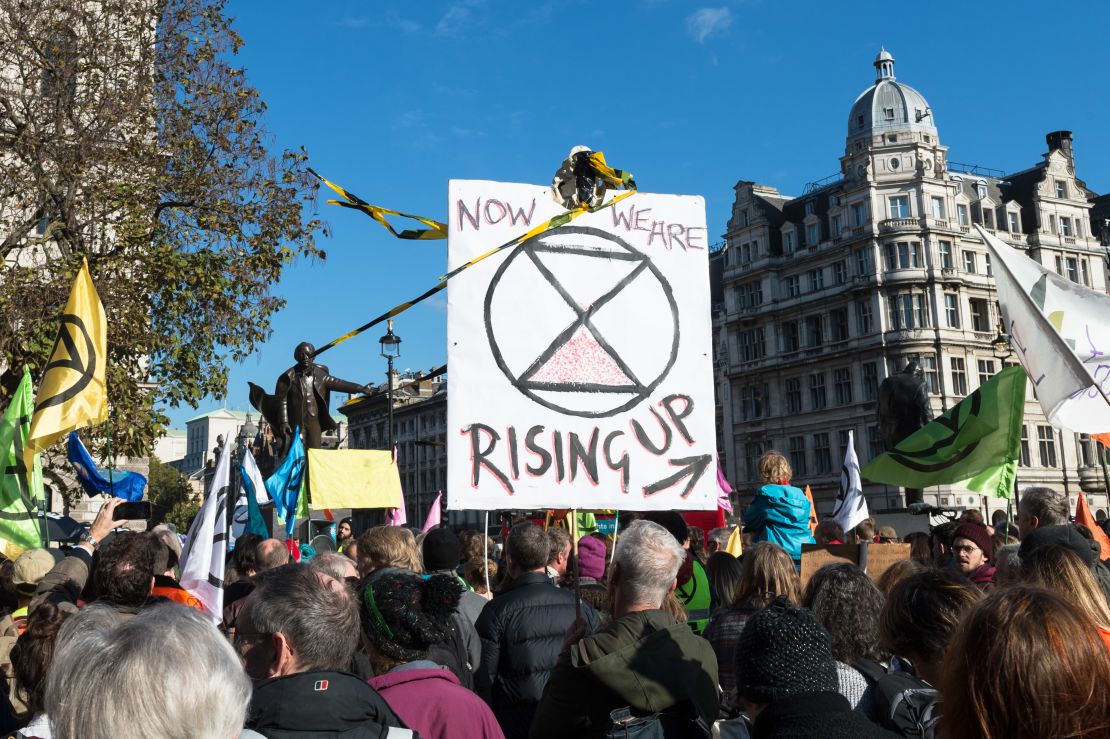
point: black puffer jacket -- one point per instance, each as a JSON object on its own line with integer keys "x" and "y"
{"x": 522, "y": 632}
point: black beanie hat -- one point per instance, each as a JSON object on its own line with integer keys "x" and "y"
{"x": 783, "y": 651}
{"x": 404, "y": 614}
{"x": 672, "y": 521}
{"x": 441, "y": 550}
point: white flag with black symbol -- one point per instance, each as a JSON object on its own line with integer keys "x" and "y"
{"x": 851, "y": 506}
{"x": 205, "y": 550}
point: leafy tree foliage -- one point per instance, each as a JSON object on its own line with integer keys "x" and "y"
{"x": 171, "y": 497}
{"x": 128, "y": 136}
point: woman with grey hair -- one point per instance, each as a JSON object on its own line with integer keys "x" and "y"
{"x": 167, "y": 673}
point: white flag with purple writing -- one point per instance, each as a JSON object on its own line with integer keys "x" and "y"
{"x": 851, "y": 506}
{"x": 1060, "y": 334}
{"x": 205, "y": 551}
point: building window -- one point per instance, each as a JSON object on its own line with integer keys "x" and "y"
{"x": 815, "y": 331}
{"x": 837, "y": 225}
{"x": 793, "y": 395}
{"x": 863, "y": 262}
{"x": 932, "y": 377}
{"x": 811, "y": 235}
{"x": 840, "y": 272}
{"x": 938, "y": 208}
{"x": 863, "y": 317}
{"x": 842, "y": 442}
{"x": 981, "y": 190}
{"x": 988, "y": 218}
{"x": 750, "y": 294}
{"x": 899, "y": 206}
{"x": 842, "y": 386}
{"x": 986, "y": 370}
{"x": 1071, "y": 267}
{"x": 870, "y": 380}
{"x": 961, "y": 214}
{"x": 753, "y": 450}
{"x": 811, "y": 205}
{"x": 959, "y": 376}
{"x": 754, "y": 405}
{"x": 908, "y": 311}
{"x": 816, "y": 279}
{"x": 859, "y": 213}
{"x": 951, "y": 310}
{"x": 838, "y": 323}
{"x": 1087, "y": 454}
{"x": 1061, "y": 191}
{"x": 822, "y": 454}
{"x": 1065, "y": 226}
{"x": 888, "y": 114}
{"x": 1047, "y": 444}
{"x": 788, "y": 242}
{"x": 969, "y": 262}
{"x": 1023, "y": 460}
{"x": 988, "y": 265}
{"x": 1086, "y": 274}
{"x": 793, "y": 286}
{"x": 980, "y": 318}
{"x": 874, "y": 441}
{"x": 946, "y": 254}
{"x": 752, "y": 345}
{"x": 1014, "y": 226}
{"x": 817, "y": 397}
{"x": 903, "y": 255}
{"x": 798, "y": 455}
{"x": 790, "y": 341}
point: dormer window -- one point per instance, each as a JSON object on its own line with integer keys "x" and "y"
{"x": 888, "y": 113}
{"x": 810, "y": 205}
{"x": 859, "y": 121}
{"x": 1061, "y": 189}
{"x": 981, "y": 190}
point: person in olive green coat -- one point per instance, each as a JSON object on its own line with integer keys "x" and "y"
{"x": 644, "y": 660}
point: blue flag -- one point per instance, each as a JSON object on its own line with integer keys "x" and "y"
{"x": 124, "y": 484}
{"x": 252, "y": 481}
{"x": 284, "y": 486}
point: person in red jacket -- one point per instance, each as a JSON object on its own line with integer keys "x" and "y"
{"x": 403, "y": 615}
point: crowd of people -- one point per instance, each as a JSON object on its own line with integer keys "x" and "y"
{"x": 981, "y": 632}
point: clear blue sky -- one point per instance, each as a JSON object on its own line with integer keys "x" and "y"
{"x": 393, "y": 99}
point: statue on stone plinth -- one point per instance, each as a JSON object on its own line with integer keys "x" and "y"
{"x": 903, "y": 409}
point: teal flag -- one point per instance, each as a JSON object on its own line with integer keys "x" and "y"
{"x": 974, "y": 445}
{"x": 20, "y": 488}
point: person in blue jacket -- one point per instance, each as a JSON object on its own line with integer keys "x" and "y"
{"x": 780, "y": 512}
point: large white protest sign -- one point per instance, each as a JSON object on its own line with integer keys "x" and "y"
{"x": 580, "y": 361}
{"x": 1061, "y": 335}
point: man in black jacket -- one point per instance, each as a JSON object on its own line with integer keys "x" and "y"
{"x": 296, "y": 634}
{"x": 523, "y": 630}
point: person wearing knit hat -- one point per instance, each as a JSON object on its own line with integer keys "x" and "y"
{"x": 973, "y": 551}
{"x": 440, "y": 551}
{"x": 786, "y": 672}
{"x": 591, "y": 574}
{"x": 403, "y": 617}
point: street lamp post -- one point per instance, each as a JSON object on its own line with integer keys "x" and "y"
{"x": 391, "y": 349}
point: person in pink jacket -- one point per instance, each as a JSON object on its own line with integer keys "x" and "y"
{"x": 403, "y": 616}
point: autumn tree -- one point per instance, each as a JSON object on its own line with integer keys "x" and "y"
{"x": 129, "y": 136}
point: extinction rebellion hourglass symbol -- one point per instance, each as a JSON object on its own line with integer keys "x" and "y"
{"x": 582, "y": 323}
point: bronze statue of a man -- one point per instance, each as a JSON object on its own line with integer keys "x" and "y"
{"x": 903, "y": 409}
{"x": 301, "y": 399}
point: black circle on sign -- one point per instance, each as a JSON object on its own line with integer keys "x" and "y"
{"x": 84, "y": 365}
{"x": 641, "y": 390}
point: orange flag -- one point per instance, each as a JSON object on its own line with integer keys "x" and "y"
{"x": 1103, "y": 439}
{"x": 812, "y": 512}
{"x": 1083, "y": 516}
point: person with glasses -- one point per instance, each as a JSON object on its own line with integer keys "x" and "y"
{"x": 972, "y": 551}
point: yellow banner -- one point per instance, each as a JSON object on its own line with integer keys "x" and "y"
{"x": 73, "y": 390}
{"x": 353, "y": 478}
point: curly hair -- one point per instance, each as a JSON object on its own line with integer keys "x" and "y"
{"x": 125, "y": 570}
{"x": 846, "y": 602}
{"x": 404, "y": 614}
{"x": 33, "y": 652}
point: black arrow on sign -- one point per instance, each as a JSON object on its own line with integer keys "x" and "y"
{"x": 692, "y": 467}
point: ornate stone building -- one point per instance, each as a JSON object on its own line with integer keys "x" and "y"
{"x": 826, "y": 294}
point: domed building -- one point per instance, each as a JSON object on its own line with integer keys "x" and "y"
{"x": 826, "y": 294}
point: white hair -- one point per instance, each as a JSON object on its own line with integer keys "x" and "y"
{"x": 334, "y": 564}
{"x": 649, "y": 558}
{"x": 167, "y": 673}
{"x": 721, "y": 536}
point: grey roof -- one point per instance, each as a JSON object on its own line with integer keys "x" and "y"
{"x": 907, "y": 107}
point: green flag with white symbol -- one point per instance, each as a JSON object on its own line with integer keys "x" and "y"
{"x": 20, "y": 492}
{"x": 974, "y": 445}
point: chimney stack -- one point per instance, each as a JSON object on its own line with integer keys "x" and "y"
{"x": 1060, "y": 140}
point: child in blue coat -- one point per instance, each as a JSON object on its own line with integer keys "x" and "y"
{"x": 780, "y": 512}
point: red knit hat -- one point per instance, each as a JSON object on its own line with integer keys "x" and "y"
{"x": 976, "y": 532}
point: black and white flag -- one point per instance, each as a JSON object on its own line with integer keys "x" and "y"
{"x": 851, "y": 506}
{"x": 205, "y": 550}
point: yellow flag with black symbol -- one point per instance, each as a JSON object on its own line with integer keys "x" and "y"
{"x": 73, "y": 390}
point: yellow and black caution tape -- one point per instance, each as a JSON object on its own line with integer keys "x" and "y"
{"x": 618, "y": 178}
{"x": 435, "y": 231}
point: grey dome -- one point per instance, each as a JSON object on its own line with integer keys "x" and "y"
{"x": 889, "y": 105}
